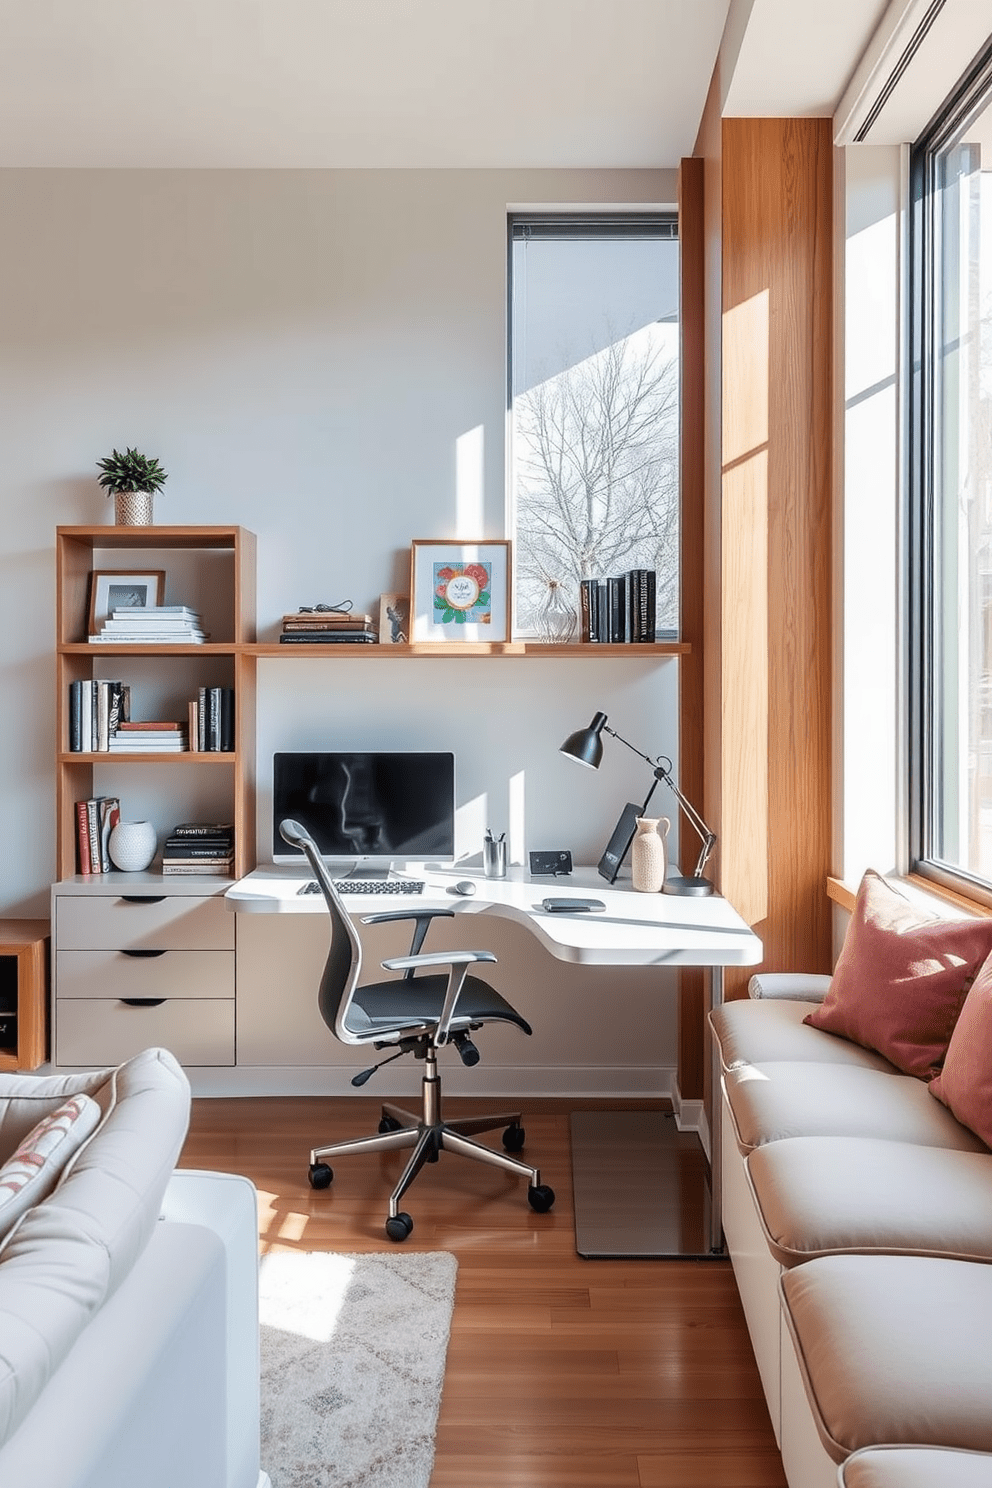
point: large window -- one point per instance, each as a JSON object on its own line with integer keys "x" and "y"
{"x": 951, "y": 546}
{"x": 594, "y": 400}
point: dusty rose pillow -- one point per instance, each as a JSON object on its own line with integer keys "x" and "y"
{"x": 965, "y": 1083}
{"x": 901, "y": 978}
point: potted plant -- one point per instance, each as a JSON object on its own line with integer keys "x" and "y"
{"x": 132, "y": 479}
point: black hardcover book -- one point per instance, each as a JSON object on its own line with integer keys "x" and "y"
{"x": 75, "y": 717}
{"x": 202, "y": 829}
{"x": 227, "y": 719}
{"x": 327, "y": 637}
{"x": 213, "y": 719}
{"x": 648, "y": 605}
{"x": 616, "y": 595}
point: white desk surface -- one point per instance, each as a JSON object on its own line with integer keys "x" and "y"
{"x": 633, "y": 930}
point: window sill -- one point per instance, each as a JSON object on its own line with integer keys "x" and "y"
{"x": 929, "y": 895}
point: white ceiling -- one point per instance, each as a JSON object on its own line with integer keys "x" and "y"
{"x": 389, "y": 83}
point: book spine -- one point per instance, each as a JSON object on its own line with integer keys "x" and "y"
{"x": 86, "y": 716}
{"x": 93, "y": 833}
{"x": 586, "y": 588}
{"x": 169, "y": 869}
{"x": 193, "y": 849}
{"x": 202, "y": 829}
{"x": 227, "y": 719}
{"x": 110, "y": 815}
{"x": 616, "y": 595}
{"x": 650, "y": 605}
{"x": 75, "y": 722}
{"x": 213, "y": 719}
{"x": 201, "y": 719}
{"x": 83, "y": 837}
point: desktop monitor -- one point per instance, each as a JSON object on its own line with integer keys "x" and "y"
{"x": 368, "y": 807}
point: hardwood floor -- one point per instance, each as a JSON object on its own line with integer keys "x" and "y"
{"x": 562, "y": 1372}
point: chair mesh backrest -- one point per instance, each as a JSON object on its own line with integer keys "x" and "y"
{"x": 344, "y": 958}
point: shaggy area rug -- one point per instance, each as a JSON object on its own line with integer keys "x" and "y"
{"x": 353, "y": 1350}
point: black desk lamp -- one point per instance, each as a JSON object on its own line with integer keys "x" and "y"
{"x": 586, "y": 746}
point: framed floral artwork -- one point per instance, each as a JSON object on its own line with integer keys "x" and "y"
{"x": 460, "y": 591}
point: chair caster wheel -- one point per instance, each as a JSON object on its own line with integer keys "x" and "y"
{"x": 540, "y": 1198}
{"x": 320, "y": 1175}
{"x": 388, "y": 1124}
{"x": 398, "y": 1226}
{"x": 514, "y": 1138}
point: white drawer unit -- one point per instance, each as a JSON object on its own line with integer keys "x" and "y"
{"x": 94, "y": 1031}
{"x": 146, "y": 964}
{"x": 142, "y": 920}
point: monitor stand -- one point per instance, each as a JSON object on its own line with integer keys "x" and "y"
{"x": 361, "y": 868}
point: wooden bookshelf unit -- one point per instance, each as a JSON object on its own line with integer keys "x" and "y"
{"x": 24, "y": 949}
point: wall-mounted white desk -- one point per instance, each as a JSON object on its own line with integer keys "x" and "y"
{"x": 632, "y": 930}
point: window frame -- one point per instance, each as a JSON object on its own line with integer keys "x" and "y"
{"x": 563, "y": 224}
{"x": 973, "y": 92}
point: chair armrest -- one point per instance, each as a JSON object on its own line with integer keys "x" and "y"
{"x": 406, "y": 914}
{"x": 797, "y": 985}
{"x": 436, "y": 958}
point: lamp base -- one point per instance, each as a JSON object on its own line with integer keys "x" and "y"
{"x": 700, "y": 887}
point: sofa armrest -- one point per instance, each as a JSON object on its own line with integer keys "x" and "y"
{"x": 798, "y": 986}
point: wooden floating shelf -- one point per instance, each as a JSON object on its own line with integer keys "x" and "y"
{"x": 446, "y": 649}
{"x": 125, "y": 648}
{"x": 152, "y": 756}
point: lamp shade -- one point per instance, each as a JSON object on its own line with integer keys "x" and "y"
{"x": 586, "y": 745}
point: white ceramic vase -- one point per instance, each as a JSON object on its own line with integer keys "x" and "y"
{"x": 132, "y": 845}
{"x": 649, "y": 854}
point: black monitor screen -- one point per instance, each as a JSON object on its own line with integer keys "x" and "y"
{"x": 369, "y": 805}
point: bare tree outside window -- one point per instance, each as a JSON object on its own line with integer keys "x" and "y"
{"x": 594, "y": 411}
{"x": 597, "y": 474}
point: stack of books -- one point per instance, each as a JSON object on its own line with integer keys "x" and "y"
{"x": 327, "y": 628}
{"x": 152, "y": 625}
{"x": 621, "y": 609}
{"x": 151, "y": 736}
{"x": 199, "y": 847}
{"x": 95, "y": 820}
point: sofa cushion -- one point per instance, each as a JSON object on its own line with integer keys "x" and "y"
{"x": 799, "y": 986}
{"x": 893, "y": 1349}
{"x": 759, "y": 1032}
{"x": 31, "y": 1172}
{"x": 965, "y": 1083}
{"x": 835, "y": 1195}
{"x": 65, "y": 1256}
{"x": 901, "y": 978}
{"x": 769, "y": 1102}
{"x": 915, "y": 1467}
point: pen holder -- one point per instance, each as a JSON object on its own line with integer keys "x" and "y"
{"x": 494, "y": 859}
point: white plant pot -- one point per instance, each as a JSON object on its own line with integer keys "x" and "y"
{"x": 132, "y": 845}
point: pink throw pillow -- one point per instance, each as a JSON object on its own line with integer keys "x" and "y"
{"x": 901, "y": 978}
{"x": 964, "y": 1085}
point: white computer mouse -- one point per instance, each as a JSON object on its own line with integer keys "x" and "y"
{"x": 464, "y": 886}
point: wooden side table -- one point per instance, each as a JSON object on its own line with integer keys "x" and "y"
{"x": 24, "y": 961}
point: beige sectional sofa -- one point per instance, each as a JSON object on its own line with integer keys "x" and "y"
{"x": 857, "y": 1212}
{"x": 128, "y": 1290}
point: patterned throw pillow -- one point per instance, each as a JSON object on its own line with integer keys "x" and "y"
{"x": 31, "y": 1173}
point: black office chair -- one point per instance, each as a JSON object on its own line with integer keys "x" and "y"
{"x": 418, "y": 1014}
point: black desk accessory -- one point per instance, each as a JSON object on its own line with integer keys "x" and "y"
{"x": 558, "y": 864}
{"x": 585, "y": 746}
{"x": 571, "y": 906}
{"x": 619, "y": 843}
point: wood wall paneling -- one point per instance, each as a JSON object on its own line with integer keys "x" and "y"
{"x": 774, "y": 496}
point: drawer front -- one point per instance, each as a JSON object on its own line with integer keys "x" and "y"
{"x": 191, "y": 975}
{"x": 176, "y": 922}
{"x": 95, "y": 1032}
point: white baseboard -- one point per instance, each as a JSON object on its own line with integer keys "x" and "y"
{"x": 690, "y": 1115}
{"x": 498, "y": 1083}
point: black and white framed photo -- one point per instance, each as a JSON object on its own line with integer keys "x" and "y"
{"x": 394, "y": 619}
{"x": 121, "y": 589}
{"x": 460, "y": 591}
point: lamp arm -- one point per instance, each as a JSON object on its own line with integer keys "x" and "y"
{"x": 663, "y": 772}
{"x": 707, "y": 837}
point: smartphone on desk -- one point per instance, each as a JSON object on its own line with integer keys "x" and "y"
{"x": 573, "y": 906}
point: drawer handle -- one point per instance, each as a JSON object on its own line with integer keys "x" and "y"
{"x": 143, "y": 898}
{"x": 141, "y": 953}
{"x": 143, "y": 1001}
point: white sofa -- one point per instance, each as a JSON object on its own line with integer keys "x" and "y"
{"x": 128, "y": 1297}
{"x": 858, "y": 1215}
